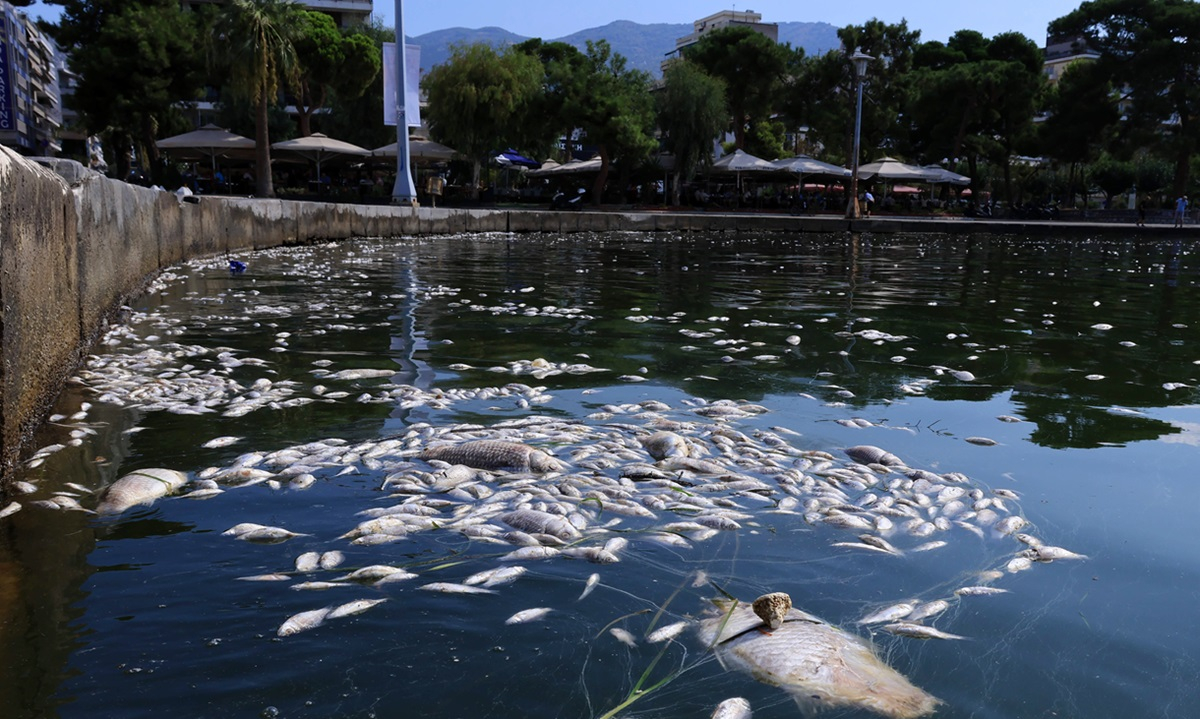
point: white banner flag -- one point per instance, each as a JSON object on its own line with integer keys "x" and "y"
{"x": 412, "y": 100}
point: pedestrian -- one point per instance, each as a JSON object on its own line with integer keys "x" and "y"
{"x": 1142, "y": 211}
{"x": 1181, "y": 206}
{"x": 868, "y": 200}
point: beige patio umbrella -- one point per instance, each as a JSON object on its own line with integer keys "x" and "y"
{"x": 418, "y": 149}
{"x": 318, "y": 147}
{"x": 209, "y": 141}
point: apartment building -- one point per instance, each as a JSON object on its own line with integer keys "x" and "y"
{"x": 30, "y": 103}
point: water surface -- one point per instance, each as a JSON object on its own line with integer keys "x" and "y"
{"x": 1090, "y": 343}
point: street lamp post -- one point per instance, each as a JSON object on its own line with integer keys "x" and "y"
{"x": 860, "y": 60}
{"x": 404, "y": 191}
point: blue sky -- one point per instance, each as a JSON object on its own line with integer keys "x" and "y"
{"x": 936, "y": 19}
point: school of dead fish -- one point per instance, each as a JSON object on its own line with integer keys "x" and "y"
{"x": 542, "y": 488}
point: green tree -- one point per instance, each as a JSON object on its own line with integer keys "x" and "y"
{"x": 1152, "y": 48}
{"x": 975, "y": 98}
{"x": 252, "y": 42}
{"x": 545, "y": 119}
{"x": 611, "y": 104}
{"x": 477, "y": 97}
{"x": 359, "y": 119}
{"x": 753, "y": 68}
{"x": 135, "y": 60}
{"x": 827, "y": 84}
{"x": 1081, "y": 117}
{"x": 330, "y": 59}
{"x": 691, "y": 113}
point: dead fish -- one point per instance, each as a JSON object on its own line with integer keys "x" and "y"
{"x": 495, "y": 455}
{"x": 353, "y": 374}
{"x": 667, "y": 633}
{"x": 868, "y": 454}
{"x": 372, "y": 573}
{"x": 528, "y": 615}
{"x": 929, "y": 546}
{"x": 981, "y": 441}
{"x": 820, "y": 666}
{"x": 308, "y": 562}
{"x": 524, "y": 553}
{"x": 1046, "y": 553}
{"x": 495, "y": 577}
{"x": 918, "y": 631}
{"x": 1008, "y": 525}
{"x": 318, "y": 586}
{"x": 331, "y": 559}
{"x": 531, "y": 520}
{"x": 979, "y": 591}
{"x": 358, "y": 606}
{"x": 623, "y": 636}
{"x": 928, "y": 609}
{"x": 452, "y": 588}
{"x": 888, "y": 614}
{"x": 661, "y": 445}
{"x": 588, "y": 586}
{"x": 141, "y": 487}
{"x": 303, "y": 622}
{"x": 265, "y": 578}
{"x": 268, "y": 535}
{"x": 1018, "y": 564}
{"x": 11, "y": 509}
{"x": 241, "y": 528}
{"x": 735, "y": 708}
{"x": 221, "y": 442}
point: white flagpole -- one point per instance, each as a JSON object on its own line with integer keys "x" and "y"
{"x": 404, "y": 191}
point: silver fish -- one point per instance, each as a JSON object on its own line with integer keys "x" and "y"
{"x": 531, "y": 520}
{"x": 1046, "y": 553}
{"x": 268, "y": 535}
{"x": 308, "y": 562}
{"x": 591, "y": 583}
{"x": 358, "y": 606}
{"x": 452, "y": 588}
{"x": 667, "y": 633}
{"x": 979, "y": 591}
{"x": 623, "y": 636}
{"x": 331, "y": 559}
{"x": 495, "y": 455}
{"x": 495, "y": 577}
{"x": 528, "y": 615}
{"x": 11, "y": 509}
{"x": 661, "y": 445}
{"x": 868, "y": 454}
{"x": 888, "y": 614}
{"x": 303, "y": 622}
{"x": 221, "y": 442}
{"x": 265, "y": 578}
{"x": 735, "y": 708}
{"x": 819, "y": 665}
{"x": 141, "y": 487}
{"x": 317, "y": 586}
{"x": 928, "y": 609}
{"x": 918, "y": 631}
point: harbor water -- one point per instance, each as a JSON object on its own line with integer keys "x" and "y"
{"x": 1049, "y": 380}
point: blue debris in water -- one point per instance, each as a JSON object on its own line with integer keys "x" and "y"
{"x": 236, "y": 267}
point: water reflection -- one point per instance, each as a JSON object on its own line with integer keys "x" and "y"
{"x": 113, "y": 617}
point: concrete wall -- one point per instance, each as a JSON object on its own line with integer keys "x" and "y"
{"x": 71, "y": 253}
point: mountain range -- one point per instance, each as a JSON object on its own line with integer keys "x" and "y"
{"x": 644, "y": 46}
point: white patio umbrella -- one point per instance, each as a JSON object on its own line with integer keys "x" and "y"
{"x": 738, "y": 162}
{"x": 946, "y": 176}
{"x": 888, "y": 168}
{"x": 209, "y": 141}
{"x": 318, "y": 147}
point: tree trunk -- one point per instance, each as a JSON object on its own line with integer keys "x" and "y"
{"x": 598, "y": 185}
{"x": 677, "y": 189}
{"x": 475, "y": 167}
{"x": 263, "y": 185}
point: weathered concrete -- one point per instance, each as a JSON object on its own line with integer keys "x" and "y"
{"x": 71, "y": 250}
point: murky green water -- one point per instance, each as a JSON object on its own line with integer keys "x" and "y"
{"x": 143, "y": 615}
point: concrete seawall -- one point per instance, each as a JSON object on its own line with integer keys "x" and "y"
{"x": 71, "y": 252}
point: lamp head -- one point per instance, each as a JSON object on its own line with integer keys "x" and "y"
{"x": 860, "y": 60}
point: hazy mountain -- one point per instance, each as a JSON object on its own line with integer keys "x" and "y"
{"x": 644, "y": 46}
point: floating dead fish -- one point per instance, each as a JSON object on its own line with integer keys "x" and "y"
{"x": 303, "y": 622}
{"x": 265, "y": 578}
{"x": 588, "y": 586}
{"x": 661, "y": 445}
{"x": 495, "y": 577}
{"x": 981, "y": 441}
{"x": 331, "y": 559}
{"x": 531, "y": 520}
{"x": 868, "y": 454}
{"x": 11, "y": 509}
{"x": 495, "y": 455}
{"x": 978, "y": 591}
{"x": 820, "y": 666}
{"x": 141, "y": 487}
{"x": 267, "y": 535}
{"x": 353, "y": 374}
{"x": 888, "y": 614}
{"x": 452, "y": 588}
{"x": 358, "y": 606}
{"x": 1046, "y": 553}
{"x": 221, "y": 442}
{"x": 928, "y": 609}
{"x": 308, "y": 562}
{"x": 318, "y": 586}
{"x": 667, "y": 633}
{"x": 735, "y": 708}
{"x": 526, "y": 616}
{"x": 918, "y": 631}
{"x": 623, "y": 637}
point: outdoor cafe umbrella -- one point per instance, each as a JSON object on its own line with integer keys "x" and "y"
{"x": 318, "y": 147}
{"x": 208, "y": 141}
{"x": 803, "y": 165}
{"x": 738, "y": 162}
{"x": 418, "y": 149}
{"x": 888, "y": 168}
{"x": 942, "y": 175}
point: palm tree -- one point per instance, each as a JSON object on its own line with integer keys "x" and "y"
{"x": 252, "y": 42}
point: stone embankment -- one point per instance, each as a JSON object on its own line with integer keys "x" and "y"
{"x": 75, "y": 245}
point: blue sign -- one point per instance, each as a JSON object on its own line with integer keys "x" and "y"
{"x": 8, "y": 118}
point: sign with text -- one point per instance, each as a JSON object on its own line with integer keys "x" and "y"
{"x": 412, "y": 97}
